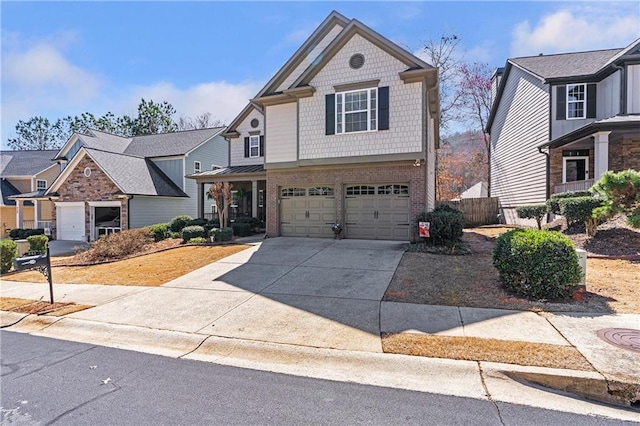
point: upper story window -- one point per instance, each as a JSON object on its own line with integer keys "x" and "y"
{"x": 197, "y": 167}
{"x": 357, "y": 111}
{"x": 576, "y": 100}
{"x": 41, "y": 184}
{"x": 254, "y": 146}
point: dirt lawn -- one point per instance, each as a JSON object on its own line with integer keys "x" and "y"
{"x": 472, "y": 280}
{"x": 149, "y": 270}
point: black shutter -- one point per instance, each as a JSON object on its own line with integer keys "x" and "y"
{"x": 261, "y": 146}
{"x": 383, "y": 108}
{"x": 561, "y": 102}
{"x": 330, "y": 114}
{"x": 246, "y": 147}
{"x": 591, "y": 100}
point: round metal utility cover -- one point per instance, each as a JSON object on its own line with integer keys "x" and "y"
{"x": 625, "y": 338}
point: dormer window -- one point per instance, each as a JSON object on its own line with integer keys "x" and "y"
{"x": 41, "y": 184}
{"x": 576, "y": 100}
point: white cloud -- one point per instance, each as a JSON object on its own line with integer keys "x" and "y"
{"x": 587, "y": 27}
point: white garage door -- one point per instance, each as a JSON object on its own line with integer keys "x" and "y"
{"x": 378, "y": 212}
{"x": 307, "y": 211}
{"x": 70, "y": 222}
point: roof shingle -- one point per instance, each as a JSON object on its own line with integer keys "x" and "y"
{"x": 25, "y": 163}
{"x": 566, "y": 64}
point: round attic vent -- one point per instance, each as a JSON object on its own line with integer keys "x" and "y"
{"x": 255, "y": 123}
{"x": 87, "y": 172}
{"x": 356, "y": 61}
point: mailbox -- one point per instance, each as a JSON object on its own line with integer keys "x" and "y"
{"x": 30, "y": 262}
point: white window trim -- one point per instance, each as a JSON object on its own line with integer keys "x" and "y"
{"x": 197, "y": 167}
{"x": 564, "y": 167}
{"x": 584, "y": 102}
{"x": 254, "y": 142}
{"x": 343, "y": 113}
{"x": 41, "y": 180}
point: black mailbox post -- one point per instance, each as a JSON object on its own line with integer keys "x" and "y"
{"x": 41, "y": 262}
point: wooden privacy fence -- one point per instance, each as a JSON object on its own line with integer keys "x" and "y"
{"x": 477, "y": 211}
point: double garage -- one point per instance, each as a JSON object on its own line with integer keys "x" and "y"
{"x": 371, "y": 211}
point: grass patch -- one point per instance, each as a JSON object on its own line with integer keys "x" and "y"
{"x": 451, "y": 249}
{"x": 149, "y": 270}
{"x": 490, "y": 350}
{"x": 28, "y": 306}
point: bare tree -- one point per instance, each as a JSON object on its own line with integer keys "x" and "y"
{"x": 220, "y": 192}
{"x": 202, "y": 121}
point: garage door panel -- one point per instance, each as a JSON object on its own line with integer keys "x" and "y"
{"x": 309, "y": 214}
{"x": 70, "y": 222}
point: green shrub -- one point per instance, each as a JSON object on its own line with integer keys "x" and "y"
{"x": 537, "y": 264}
{"x": 248, "y": 219}
{"x": 222, "y": 234}
{"x": 197, "y": 240}
{"x": 242, "y": 229}
{"x": 119, "y": 244}
{"x": 38, "y": 243}
{"x": 21, "y": 234}
{"x": 194, "y": 231}
{"x": 179, "y": 222}
{"x": 199, "y": 222}
{"x": 552, "y": 202}
{"x": 532, "y": 211}
{"x": 621, "y": 194}
{"x": 8, "y": 252}
{"x": 215, "y": 222}
{"x": 175, "y": 235}
{"x": 160, "y": 231}
{"x": 580, "y": 209}
{"x": 446, "y": 224}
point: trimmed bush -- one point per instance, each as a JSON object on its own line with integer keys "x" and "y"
{"x": 195, "y": 231}
{"x": 621, "y": 194}
{"x": 197, "y": 240}
{"x": 537, "y": 264}
{"x": 248, "y": 219}
{"x": 532, "y": 211}
{"x": 179, "y": 222}
{"x": 222, "y": 234}
{"x": 38, "y": 243}
{"x": 580, "y": 209}
{"x": 215, "y": 222}
{"x": 199, "y": 222}
{"x": 552, "y": 202}
{"x": 446, "y": 224}
{"x": 119, "y": 244}
{"x": 21, "y": 234}
{"x": 242, "y": 229}
{"x": 160, "y": 231}
{"x": 8, "y": 252}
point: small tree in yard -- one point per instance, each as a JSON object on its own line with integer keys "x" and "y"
{"x": 534, "y": 211}
{"x": 220, "y": 192}
{"x": 620, "y": 193}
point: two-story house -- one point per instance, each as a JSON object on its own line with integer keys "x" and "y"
{"x": 345, "y": 132}
{"x": 25, "y": 176}
{"x": 558, "y": 122}
{"x": 109, "y": 183}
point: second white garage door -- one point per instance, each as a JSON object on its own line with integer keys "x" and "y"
{"x": 307, "y": 211}
{"x": 378, "y": 212}
{"x": 70, "y": 221}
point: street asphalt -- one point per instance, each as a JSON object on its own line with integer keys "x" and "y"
{"x": 312, "y": 307}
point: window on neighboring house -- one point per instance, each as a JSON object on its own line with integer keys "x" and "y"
{"x": 197, "y": 167}
{"x": 254, "y": 146}
{"x": 363, "y": 110}
{"x": 41, "y": 184}
{"x": 576, "y": 101}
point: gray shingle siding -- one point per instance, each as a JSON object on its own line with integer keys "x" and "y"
{"x": 521, "y": 123}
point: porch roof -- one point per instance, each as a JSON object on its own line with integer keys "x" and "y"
{"x": 8, "y": 191}
{"x": 233, "y": 170}
{"x": 619, "y": 122}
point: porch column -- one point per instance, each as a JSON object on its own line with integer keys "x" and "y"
{"x": 19, "y": 213}
{"x": 254, "y": 198}
{"x": 601, "y": 154}
{"x": 200, "y": 200}
{"x": 36, "y": 214}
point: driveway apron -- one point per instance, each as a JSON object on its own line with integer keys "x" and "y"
{"x": 299, "y": 291}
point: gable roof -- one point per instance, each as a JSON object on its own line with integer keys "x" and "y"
{"x": 131, "y": 174}
{"x": 240, "y": 118}
{"x": 6, "y": 191}
{"x": 25, "y": 163}
{"x": 567, "y": 64}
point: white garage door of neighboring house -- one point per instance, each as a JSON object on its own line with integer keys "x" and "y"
{"x": 70, "y": 221}
{"x": 307, "y": 211}
{"x": 380, "y": 212}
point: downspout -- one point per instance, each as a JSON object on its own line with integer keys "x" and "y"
{"x": 547, "y": 178}
{"x": 129, "y": 198}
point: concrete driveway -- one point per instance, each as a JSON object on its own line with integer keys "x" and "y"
{"x": 299, "y": 291}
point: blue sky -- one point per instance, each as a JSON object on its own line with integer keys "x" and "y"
{"x": 64, "y": 58}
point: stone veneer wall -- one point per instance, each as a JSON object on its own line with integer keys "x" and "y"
{"x": 555, "y": 176}
{"x": 338, "y": 176}
{"x": 624, "y": 154}
{"x": 97, "y": 187}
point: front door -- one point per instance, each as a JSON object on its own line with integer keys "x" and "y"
{"x": 576, "y": 169}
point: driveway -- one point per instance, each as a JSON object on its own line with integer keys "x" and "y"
{"x": 299, "y": 291}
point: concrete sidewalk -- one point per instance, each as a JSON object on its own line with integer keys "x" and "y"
{"x": 313, "y": 307}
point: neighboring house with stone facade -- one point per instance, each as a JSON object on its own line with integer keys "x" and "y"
{"x": 345, "y": 132}
{"x": 25, "y": 176}
{"x": 109, "y": 183}
{"x": 558, "y": 122}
